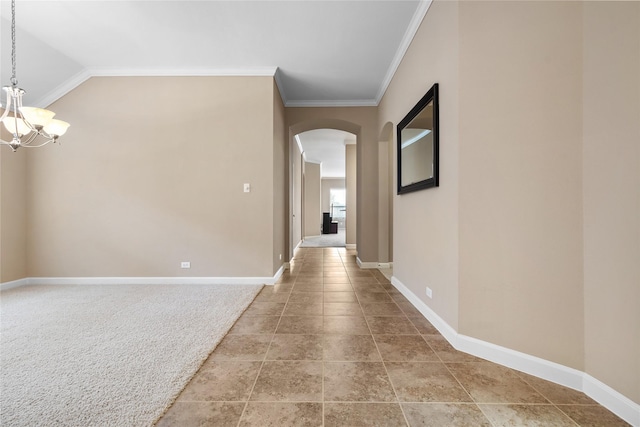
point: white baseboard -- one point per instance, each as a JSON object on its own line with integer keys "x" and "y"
{"x": 13, "y": 284}
{"x": 144, "y": 280}
{"x": 350, "y": 246}
{"x": 276, "y": 276}
{"x": 617, "y": 403}
{"x": 614, "y": 401}
{"x": 368, "y": 265}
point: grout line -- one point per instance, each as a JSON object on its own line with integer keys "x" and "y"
{"x": 548, "y": 400}
{"x": 255, "y": 381}
{"x": 384, "y": 365}
{"x": 323, "y": 335}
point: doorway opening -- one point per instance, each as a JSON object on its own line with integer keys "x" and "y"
{"x": 327, "y": 187}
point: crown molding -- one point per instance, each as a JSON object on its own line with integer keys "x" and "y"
{"x": 333, "y": 103}
{"x": 182, "y": 72}
{"x": 62, "y": 89}
{"x": 412, "y": 29}
{"x": 278, "y": 78}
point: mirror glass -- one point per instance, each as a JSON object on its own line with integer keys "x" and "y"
{"x": 418, "y": 146}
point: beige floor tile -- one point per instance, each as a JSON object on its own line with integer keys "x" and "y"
{"x": 342, "y": 309}
{"x": 405, "y": 348}
{"x": 381, "y": 309}
{"x": 368, "y": 296}
{"x": 303, "y": 309}
{"x": 268, "y": 295}
{"x": 526, "y": 415}
{"x": 357, "y": 382}
{"x": 355, "y": 348}
{"x": 306, "y": 297}
{"x": 281, "y": 414}
{"x": 444, "y": 414}
{"x": 300, "y": 325}
{"x": 424, "y": 326}
{"x": 241, "y": 347}
{"x": 363, "y": 415}
{"x": 347, "y": 325}
{"x": 425, "y": 382}
{"x": 338, "y": 280}
{"x": 397, "y": 297}
{"x": 307, "y": 280}
{"x": 202, "y": 414}
{"x": 337, "y": 287}
{"x": 556, "y": 393}
{"x": 283, "y": 287}
{"x": 390, "y": 325}
{"x": 364, "y": 280}
{"x": 357, "y": 272}
{"x": 264, "y": 309}
{"x": 371, "y": 287}
{"x": 340, "y": 297}
{"x": 295, "y": 347}
{"x": 291, "y": 381}
{"x": 408, "y": 308}
{"x": 315, "y": 286}
{"x": 221, "y": 381}
{"x": 446, "y": 352}
{"x": 255, "y": 325}
{"x": 592, "y": 416}
{"x": 491, "y": 383}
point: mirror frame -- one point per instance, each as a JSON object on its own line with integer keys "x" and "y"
{"x": 431, "y": 95}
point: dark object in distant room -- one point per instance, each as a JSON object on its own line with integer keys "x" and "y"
{"x": 329, "y": 226}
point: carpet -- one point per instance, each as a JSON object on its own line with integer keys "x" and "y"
{"x": 326, "y": 240}
{"x": 107, "y": 355}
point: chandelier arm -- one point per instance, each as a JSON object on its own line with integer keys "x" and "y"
{"x": 30, "y": 137}
{"x": 37, "y": 146}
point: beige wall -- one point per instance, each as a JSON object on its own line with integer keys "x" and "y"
{"x": 296, "y": 197}
{"x": 538, "y": 209}
{"x": 13, "y": 213}
{"x": 351, "y": 181}
{"x": 150, "y": 174}
{"x": 327, "y": 185}
{"x": 425, "y": 223}
{"x": 280, "y": 182}
{"x": 312, "y": 213}
{"x": 362, "y": 122}
{"x": 520, "y": 177}
{"x": 611, "y": 188}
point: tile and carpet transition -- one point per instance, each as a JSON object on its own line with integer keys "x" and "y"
{"x": 334, "y": 345}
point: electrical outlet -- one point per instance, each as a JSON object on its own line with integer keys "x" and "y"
{"x": 429, "y": 292}
{"x": 280, "y": 257}
{"x": 247, "y": 188}
{"x": 185, "y": 264}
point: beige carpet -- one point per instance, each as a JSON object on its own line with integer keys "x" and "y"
{"x": 106, "y": 355}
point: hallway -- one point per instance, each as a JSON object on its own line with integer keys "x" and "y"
{"x": 334, "y": 345}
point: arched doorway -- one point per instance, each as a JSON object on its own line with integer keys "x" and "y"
{"x": 328, "y": 183}
{"x": 296, "y": 164}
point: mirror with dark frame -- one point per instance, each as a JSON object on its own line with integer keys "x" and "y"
{"x": 418, "y": 145}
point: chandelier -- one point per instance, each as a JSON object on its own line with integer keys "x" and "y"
{"x": 28, "y": 126}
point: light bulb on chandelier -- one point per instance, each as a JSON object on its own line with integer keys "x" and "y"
{"x": 28, "y": 126}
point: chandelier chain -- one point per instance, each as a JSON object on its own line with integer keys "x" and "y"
{"x": 14, "y": 80}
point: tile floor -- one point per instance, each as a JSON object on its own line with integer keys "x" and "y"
{"x": 334, "y": 345}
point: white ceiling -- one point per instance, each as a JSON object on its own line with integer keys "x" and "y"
{"x": 329, "y": 52}
{"x": 327, "y": 147}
